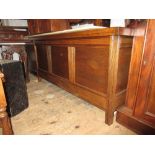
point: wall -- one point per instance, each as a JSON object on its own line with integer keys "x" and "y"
{"x": 14, "y": 22}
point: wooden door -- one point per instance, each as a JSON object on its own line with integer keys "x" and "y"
{"x": 145, "y": 101}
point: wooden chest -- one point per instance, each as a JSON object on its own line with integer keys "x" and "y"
{"x": 92, "y": 64}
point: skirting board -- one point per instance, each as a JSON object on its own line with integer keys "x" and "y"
{"x": 134, "y": 124}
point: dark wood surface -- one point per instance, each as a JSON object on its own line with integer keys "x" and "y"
{"x": 13, "y": 34}
{"x": 90, "y": 33}
{"x": 123, "y": 68}
{"x": 33, "y": 26}
{"x": 145, "y": 107}
{"x": 91, "y": 67}
{"x": 60, "y": 61}
{"x": 31, "y": 58}
{"x": 126, "y": 118}
{"x": 42, "y": 57}
{"x": 137, "y": 49}
{"x": 140, "y": 97}
{"x": 97, "y": 61}
{"x": 36, "y": 26}
{"x": 43, "y": 25}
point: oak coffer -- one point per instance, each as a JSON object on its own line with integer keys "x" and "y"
{"x": 92, "y": 64}
{"x": 14, "y": 86}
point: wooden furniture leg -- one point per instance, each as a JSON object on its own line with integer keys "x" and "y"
{"x": 5, "y": 122}
{"x": 109, "y": 116}
{"x": 27, "y": 69}
{"x": 4, "y": 119}
{"x": 36, "y": 57}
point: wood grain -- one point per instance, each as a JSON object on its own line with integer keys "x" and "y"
{"x": 4, "y": 119}
{"x": 140, "y": 91}
{"x": 90, "y": 64}
{"x": 71, "y": 62}
{"x": 91, "y": 67}
{"x": 60, "y": 65}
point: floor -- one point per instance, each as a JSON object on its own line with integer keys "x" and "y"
{"x": 53, "y": 111}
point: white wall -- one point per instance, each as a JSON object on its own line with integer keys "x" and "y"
{"x": 14, "y": 22}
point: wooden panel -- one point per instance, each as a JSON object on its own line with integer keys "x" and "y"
{"x": 33, "y": 26}
{"x": 145, "y": 109}
{"x": 151, "y": 96}
{"x": 145, "y": 88}
{"x": 60, "y": 61}
{"x": 49, "y": 58}
{"x": 123, "y": 68}
{"x": 126, "y": 41}
{"x": 105, "y": 41}
{"x": 136, "y": 57}
{"x": 71, "y": 61}
{"x": 39, "y": 26}
{"x": 42, "y": 57}
{"x": 119, "y": 99}
{"x": 141, "y": 87}
{"x": 59, "y": 24}
{"x": 125, "y": 117}
{"x": 91, "y": 67}
{"x": 44, "y": 25}
{"x": 99, "y": 101}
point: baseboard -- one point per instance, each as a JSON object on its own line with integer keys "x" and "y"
{"x": 136, "y": 125}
